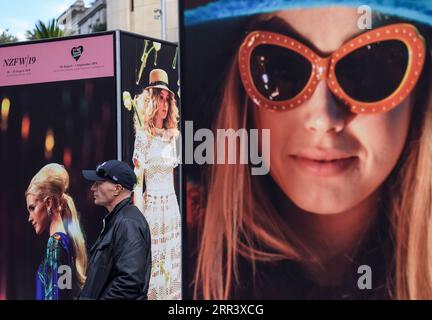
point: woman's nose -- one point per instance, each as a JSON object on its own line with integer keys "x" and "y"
{"x": 324, "y": 114}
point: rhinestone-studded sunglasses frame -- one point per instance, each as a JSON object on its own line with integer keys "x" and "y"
{"x": 324, "y": 67}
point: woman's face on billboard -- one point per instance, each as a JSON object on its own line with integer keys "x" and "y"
{"x": 326, "y": 159}
{"x": 163, "y": 104}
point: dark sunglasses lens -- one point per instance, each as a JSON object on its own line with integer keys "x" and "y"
{"x": 279, "y": 73}
{"x": 373, "y": 72}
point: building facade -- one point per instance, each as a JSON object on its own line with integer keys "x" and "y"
{"x": 79, "y": 19}
{"x": 144, "y": 17}
{"x": 94, "y": 18}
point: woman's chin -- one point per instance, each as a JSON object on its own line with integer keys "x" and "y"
{"x": 324, "y": 205}
{"x": 325, "y": 211}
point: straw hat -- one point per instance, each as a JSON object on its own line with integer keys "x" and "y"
{"x": 159, "y": 79}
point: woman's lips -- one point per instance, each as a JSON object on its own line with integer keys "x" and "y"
{"x": 325, "y": 165}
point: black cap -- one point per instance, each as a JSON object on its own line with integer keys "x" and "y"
{"x": 114, "y": 171}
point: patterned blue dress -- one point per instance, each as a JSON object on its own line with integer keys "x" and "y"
{"x": 59, "y": 252}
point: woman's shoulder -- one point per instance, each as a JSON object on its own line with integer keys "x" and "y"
{"x": 165, "y": 134}
{"x": 172, "y": 133}
{"x": 162, "y": 134}
{"x": 141, "y": 132}
{"x": 142, "y": 136}
{"x": 59, "y": 241}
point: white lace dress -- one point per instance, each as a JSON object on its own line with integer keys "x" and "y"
{"x": 155, "y": 158}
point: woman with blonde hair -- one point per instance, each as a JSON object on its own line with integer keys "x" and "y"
{"x": 346, "y": 211}
{"x": 154, "y": 159}
{"x": 53, "y": 210}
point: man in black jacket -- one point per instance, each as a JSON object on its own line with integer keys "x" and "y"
{"x": 120, "y": 260}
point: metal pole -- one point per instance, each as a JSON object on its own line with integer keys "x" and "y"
{"x": 163, "y": 19}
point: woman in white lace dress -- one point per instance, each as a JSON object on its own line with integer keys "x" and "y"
{"x": 154, "y": 161}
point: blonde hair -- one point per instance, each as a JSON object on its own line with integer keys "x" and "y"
{"x": 53, "y": 181}
{"x": 149, "y": 106}
{"x": 411, "y": 208}
{"x": 239, "y": 218}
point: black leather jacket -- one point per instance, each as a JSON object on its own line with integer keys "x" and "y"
{"x": 120, "y": 260}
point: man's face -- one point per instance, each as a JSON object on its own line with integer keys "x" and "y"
{"x": 104, "y": 193}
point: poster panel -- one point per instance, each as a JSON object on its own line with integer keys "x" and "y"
{"x": 57, "y": 106}
{"x": 150, "y": 143}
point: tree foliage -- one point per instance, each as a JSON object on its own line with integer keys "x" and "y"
{"x": 6, "y": 37}
{"x": 44, "y": 31}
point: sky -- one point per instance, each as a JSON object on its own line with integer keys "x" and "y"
{"x": 18, "y": 16}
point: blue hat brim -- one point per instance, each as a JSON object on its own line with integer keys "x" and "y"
{"x": 415, "y": 10}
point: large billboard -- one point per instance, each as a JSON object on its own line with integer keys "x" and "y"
{"x": 318, "y": 184}
{"x": 61, "y": 102}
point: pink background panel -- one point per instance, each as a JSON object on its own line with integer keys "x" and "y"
{"x": 54, "y": 61}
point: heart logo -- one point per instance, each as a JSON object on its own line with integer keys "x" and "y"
{"x": 76, "y": 52}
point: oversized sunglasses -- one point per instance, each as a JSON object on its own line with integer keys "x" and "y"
{"x": 372, "y": 73}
